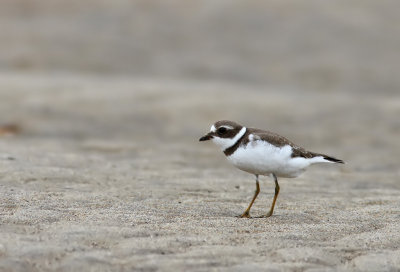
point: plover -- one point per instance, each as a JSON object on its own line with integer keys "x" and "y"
{"x": 261, "y": 152}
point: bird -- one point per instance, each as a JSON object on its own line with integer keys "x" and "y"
{"x": 261, "y": 152}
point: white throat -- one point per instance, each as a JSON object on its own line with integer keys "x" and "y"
{"x": 225, "y": 143}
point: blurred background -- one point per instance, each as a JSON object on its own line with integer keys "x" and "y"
{"x": 166, "y": 70}
{"x": 311, "y": 45}
{"x": 324, "y": 73}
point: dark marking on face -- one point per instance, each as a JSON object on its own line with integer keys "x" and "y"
{"x": 226, "y": 129}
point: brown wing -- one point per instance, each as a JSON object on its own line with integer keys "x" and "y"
{"x": 280, "y": 141}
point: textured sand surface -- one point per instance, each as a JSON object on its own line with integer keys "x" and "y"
{"x": 109, "y": 175}
{"x": 107, "y": 100}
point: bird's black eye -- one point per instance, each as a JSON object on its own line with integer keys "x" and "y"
{"x": 222, "y": 130}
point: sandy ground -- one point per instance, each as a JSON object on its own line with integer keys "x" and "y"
{"x": 108, "y": 174}
{"x": 107, "y": 101}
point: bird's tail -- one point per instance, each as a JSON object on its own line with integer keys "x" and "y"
{"x": 332, "y": 159}
{"x": 324, "y": 158}
{"x": 321, "y": 158}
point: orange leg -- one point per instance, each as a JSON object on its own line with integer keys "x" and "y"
{"x": 247, "y": 211}
{"x": 271, "y": 211}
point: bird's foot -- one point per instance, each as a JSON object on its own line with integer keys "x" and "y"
{"x": 244, "y": 215}
{"x": 265, "y": 215}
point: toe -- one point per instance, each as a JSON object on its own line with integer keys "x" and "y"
{"x": 244, "y": 215}
{"x": 265, "y": 215}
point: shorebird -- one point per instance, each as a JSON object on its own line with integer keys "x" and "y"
{"x": 262, "y": 152}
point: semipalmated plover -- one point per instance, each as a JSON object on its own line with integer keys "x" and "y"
{"x": 261, "y": 152}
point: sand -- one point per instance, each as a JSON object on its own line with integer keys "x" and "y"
{"x": 108, "y": 175}
{"x": 102, "y": 104}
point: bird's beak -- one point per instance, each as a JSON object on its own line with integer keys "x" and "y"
{"x": 206, "y": 137}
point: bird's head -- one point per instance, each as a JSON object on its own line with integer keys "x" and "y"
{"x": 224, "y": 133}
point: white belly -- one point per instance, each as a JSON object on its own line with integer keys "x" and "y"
{"x": 262, "y": 158}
